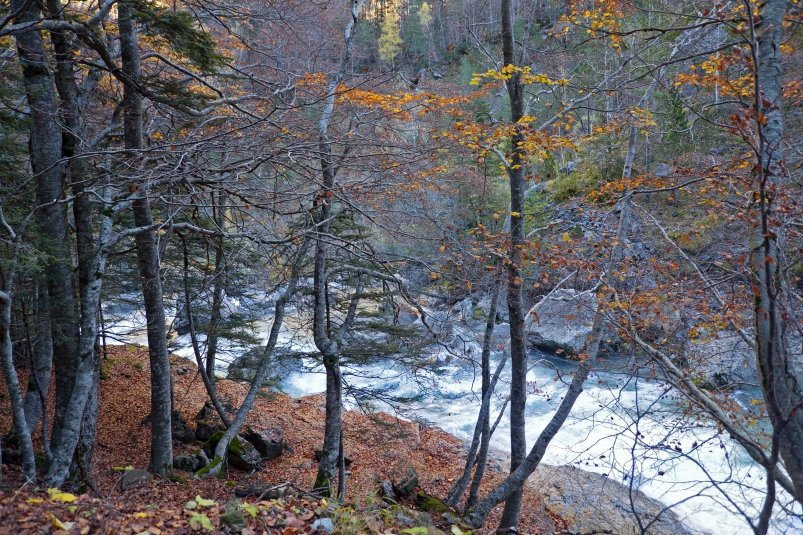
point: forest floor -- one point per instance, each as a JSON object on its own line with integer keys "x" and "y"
{"x": 378, "y": 444}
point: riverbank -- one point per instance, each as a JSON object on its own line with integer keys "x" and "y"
{"x": 377, "y": 444}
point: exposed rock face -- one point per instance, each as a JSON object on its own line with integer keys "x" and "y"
{"x": 562, "y": 322}
{"x": 722, "y": 361}
{"x": 592, "y": 503}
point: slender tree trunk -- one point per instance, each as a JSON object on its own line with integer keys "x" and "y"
{"x": 41, "y": 361}
{"x": 15, "y": 392}
{"x": 262, "y": 371}
{"x": 161, "y": 461}
{"x": 515, "y": 304}
{"x": 324, "y": 341}
{"x": 483, "y": 425}
{"x": 217, "y": 303}
{"x": 202, "y": 370}
{"x": 781, "y": 376}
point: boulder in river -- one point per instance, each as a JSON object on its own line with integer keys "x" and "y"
{"x": 723, "y": 360}
{"x": 562, "y": 321}
{"x": 593, "y": 503}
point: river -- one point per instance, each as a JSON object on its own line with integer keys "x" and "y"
{"x": 635, "y": 430}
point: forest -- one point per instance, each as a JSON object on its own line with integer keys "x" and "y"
{"x": 401, "y": 266}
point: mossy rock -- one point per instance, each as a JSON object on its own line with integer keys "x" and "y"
{"x": 430, "y": 504}
{"x": 240, "y": 454}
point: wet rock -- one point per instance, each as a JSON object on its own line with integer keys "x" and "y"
{"x": 723, "y": 360}
{"x": 593, "y": 503}
{"x": 562, "y": 322}
{"x": 269, "y": 443}
{"x": 135, "y": 478}
{"x": 240, "y": 454}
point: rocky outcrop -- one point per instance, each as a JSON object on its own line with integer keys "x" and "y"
{"x": 593, "y": 503}
{"x": 562, "y": 322}
{"x": 723, "y": 360}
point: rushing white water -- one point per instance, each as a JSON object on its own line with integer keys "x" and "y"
{"x": 636, "y": 431}
{"x": 632, "y": 430}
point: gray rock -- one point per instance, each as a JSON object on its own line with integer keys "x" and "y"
{"x": 207, "y": 422}
{"x": 188, "y": 463}
{"x": 662, "y": 170}
{"x": 386, "y": 491}
{"x": 721, "y": 361}
{"x": 323, "y": 524}
{"x": 406, "y": 483}
{"x": 562, "y": 321}
{"x": 182, "y": 432}
{"x": 269, "y": 443}
{"x": 593, "y": 503}
{"x": 135, "y": 478}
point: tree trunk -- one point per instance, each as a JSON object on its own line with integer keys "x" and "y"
{"x": 482, "y": 428}
{"x": 15, "y": 393}
{"x": 41, "y": 362}
{"x": 329, "y": 347}
{"x": 161, "y": 461}
{"x": 515, "y": 305}
{"x": 781, "y": 375}
{"x": 46, "y": 151}
{"x": 262, "y": 371}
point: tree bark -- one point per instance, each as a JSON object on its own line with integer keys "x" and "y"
{"x": 15, "y": 393}
{"x": 476, "y": 456}
{"x": 161, "y": 461}
{"x": 515, "y": 304}
{"x": 46, "y": 151}
{"x": 41, "y": 361}
{"x": 780, "y": 375}
{"x": 324, "y": 341}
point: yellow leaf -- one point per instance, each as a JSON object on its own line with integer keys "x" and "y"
{"x": 141, "y": 515}
{"x": 67, "y": 526}
{"x": 566, "y": 237}
{"x": 65, "y": 497}
{"x": 515, "y": 214}
{"x": 34, "y": 501}
{"x": 755, "y": 402}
